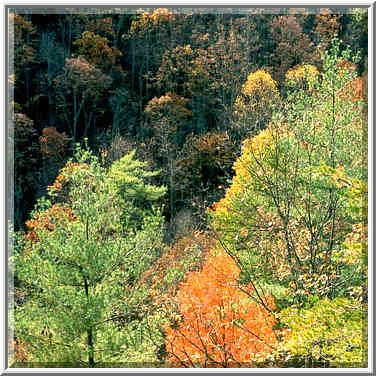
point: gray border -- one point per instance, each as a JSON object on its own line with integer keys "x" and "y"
{"x": 374, "y": 163}
{"x": 9, "y": 188}
{"x": 9, "y": 191}
{"x": 183, "y": 8}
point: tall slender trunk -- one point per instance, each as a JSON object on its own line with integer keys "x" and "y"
{"x": 75, "y": 118}
{"x": 172, "y": 198}
{"x": 89, "y": 328}
{"x": 89, "y": 331}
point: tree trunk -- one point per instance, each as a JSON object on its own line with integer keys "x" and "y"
{"x": 89, "y": 331}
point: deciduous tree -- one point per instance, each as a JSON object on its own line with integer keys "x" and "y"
{"x": 79, "y": 90}
{"x": 293, "y": 47}
{"x": 96, "y": 51}
{"x": 283, "y": 217}
{"x": 218, "y": 325}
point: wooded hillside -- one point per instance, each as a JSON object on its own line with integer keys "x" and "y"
{"x": 190, "y": 187}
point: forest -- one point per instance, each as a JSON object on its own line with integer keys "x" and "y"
{"x": 189, "y": 187}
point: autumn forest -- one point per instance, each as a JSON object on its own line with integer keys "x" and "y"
{"x": 189, "y": 188}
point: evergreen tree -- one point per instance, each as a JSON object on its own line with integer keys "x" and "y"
{"x": 79, "y": 272}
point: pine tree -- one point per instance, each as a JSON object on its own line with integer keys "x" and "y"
{"x": 79, "y": 273}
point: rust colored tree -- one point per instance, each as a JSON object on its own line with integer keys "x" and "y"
{"x": 292, "y": 45}
{"x": 22, "y": 53}
{"x": 79, "y": 90}
{"x": 167, "y": 116}
{"x": 25, "y": 161}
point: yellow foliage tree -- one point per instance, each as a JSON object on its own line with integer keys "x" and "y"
{"x": 96, "y": 51}
{"x": 254, "y": 106}
{"x": 301, "y": 76}
{"x": 284, "y": 217}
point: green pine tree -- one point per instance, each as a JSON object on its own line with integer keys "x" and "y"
{"x": 80, "y": 274}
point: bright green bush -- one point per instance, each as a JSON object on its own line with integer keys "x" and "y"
{"x": 332, "y": 333}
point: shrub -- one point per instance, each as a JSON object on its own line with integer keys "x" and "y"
{"x": 331, "y": 333}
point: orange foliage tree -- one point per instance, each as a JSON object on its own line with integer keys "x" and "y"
{"x": 187, "y": 254}
{"x": 218, "y": 324}
{"x": 47, "y": 220}
{"x": 60, "y": 210}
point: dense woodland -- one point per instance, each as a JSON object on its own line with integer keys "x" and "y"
{"x": 189, "y": 187}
